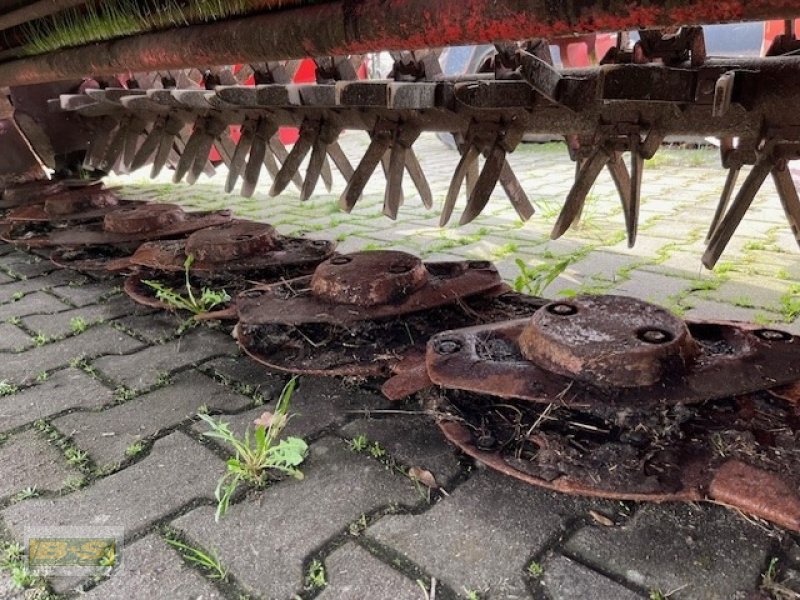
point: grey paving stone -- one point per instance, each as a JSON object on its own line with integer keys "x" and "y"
{"x": 107, "y": 434}
{"x": 652, "y": 287}
{"x": 354, "y": 573}
{"x": 565, "y": 579}
{"x": 413, "y": 440}
{"x": 142, "y": 369}
{"x": 32, "y": 304}
{"x": 99, "y": 340}
{"x": 12, "y": 338}
{"x": 63, "y": 390}
{"x": 481, "y": 537}
{"x": 248, "y": 372}
{"x": 707, "y": 552}
{"x": 8, "y": 591}
{"x": 156, "y": 327}
{"x": 83, "y": 295}
{"x": 265, "y": 538}
{"x": 60, "y": 324}
{"x": 708, "y": 309}
{"x": 151, "y": 569}
{"x": 31, "y": 461}
{"x": 177, "y": 471}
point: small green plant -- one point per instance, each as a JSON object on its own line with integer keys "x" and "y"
{"x": 74, "y": 482}
{"x": 790, "y": 303}
{"x": 18, "y": 296}
{"x": 6, "y": 388}
{"x": 12, "y": 560}
{"x": 207, "y": 300}
{"x": 78, "y": 324}
{"x": 123, "y": 393}
{"x": 41, "y": 376}
{"x": 14, "y": 321}
{"x": 376, "y": 450}
{"x": 24, "y": 494}
{"x": 359, "y": 526}
{"x": 260, "y": 454}
{"x": 74, "y": 456}
{"x": 535, "y": 570}
{"x": 109, "y": 557}
{"x": 472, "y": 594}
{"x": 207, "y": 561}
{"x": 316, "y": 578}
{"x": 163, "y": 378}
{"x": 135, "y": 449}
{"x": 657, "y": 595}
{"x": 40, "y": 339}
{"x": 358, "y": 443}
{"x": 535, "y": 280}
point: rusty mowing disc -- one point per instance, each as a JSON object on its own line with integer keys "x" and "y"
{"x": 371, "y": 340}
{"x": 34, "y": 192}
{"x": 236, "y": 247}
{"x": 96, "y": 259}
{"x": 85, "y": 204}
{"x": 612, "y": 350}
{"x": 122, "y": 226}
{"x": 742, "y": 451}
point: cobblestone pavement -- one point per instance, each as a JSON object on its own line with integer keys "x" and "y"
{"x": 99, "y": 401}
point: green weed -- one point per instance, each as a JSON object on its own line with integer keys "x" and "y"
{"x": 206, "y": 301}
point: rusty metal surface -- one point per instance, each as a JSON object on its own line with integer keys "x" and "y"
{"x": 96, "y": 259}
{"x": 29, "y": 192}
{"x": 126, "y": 225}
{"x": 367, "y": 286}
{"x": 633, "y": 363}
{"x": 235, "y": 247}
{"x": 342, "y": 28}
{"x": 381, "y": 347}
{"x": 743, "y": 452}
{"x": 88, "y": 204}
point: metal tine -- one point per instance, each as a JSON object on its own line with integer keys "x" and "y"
{"x": 115, "y": 146}
{"x": 99, "y": 142}
{"x": 264, "y": 130}
{"x": 281, "y": 153}
{"x": 291, "y": 164}
{"x": 724, "y": 200}
{"x": 473, "y": 171}
{"x": 584, "y": 181}
{"x": 385, "y": 160}
{"x": 226, "y": 148}
{"x": 369, "y": 162}
{"x": 172, "y": 138}
{"x": 316, "y": 167}
{"x": 516, "y": 195}
{"x": 468, "y": 157}
{"x": 744, "y": 198}
{"x": 240, "y": 153}
{"x": 418, "y": 177}
{"x": 150, "y": 144}
{"x": 340, "y": 159}
{"x": 787, "y": 192}
{"x": 327, "y": 174}
{"x": 190, "y": 150}
{"x": 486, "y": 183}
{"x": 624, "y": 184}
{"x": 214, "y": 130}
{"x": 637, "y": 170}
{"x": 393, "y": 196}
{"x": 136, "y": 131}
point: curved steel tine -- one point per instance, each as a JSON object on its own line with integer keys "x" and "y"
{"x": 418, "y": 177}
{"x": 724, "y": 200}
{"x": 308, "y": 133}
{"x": 385, "y": 165}
{"x": 239, "y": 159}
{"x": 137, "y": 130}
{"x": 259, "y": 156}
{"x": 99, "y": 143}
{"x": 473, "y": 172}
{"x": 469, "y": 157}
{"x": 316, "y": 167}
{"x": 340, "y": 159}
{"x": 150, "y": 144}
{"x": 787, "y": 192}
{"x": 637, "y": 170}
{"x": 115, "y": 147}
{"x": 201, "y": 158}
{"x": 724, "y": 232}
{"x": 393, "y": 196}
{"x": 624, "y": 184}
{"x": 281, "y": 153}
{"x": 172, "y": 137}
{"x": 573, "y": 206}
{"x": 516, "y": 195}
{"x": 486, "y": 184}
{"x": 225, "y": 147}
{"x": 369, "y": 162}
{"x": 327, "y": 174}
{"x": 189, "y": 151}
